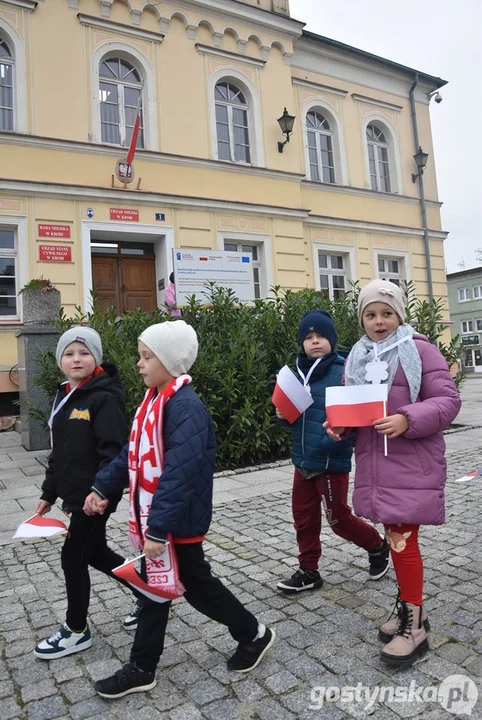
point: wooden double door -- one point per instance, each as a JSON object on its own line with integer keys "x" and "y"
{"x": 125, "y": 283}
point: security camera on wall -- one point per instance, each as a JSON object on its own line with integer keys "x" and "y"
{"x": 438, "y": 98}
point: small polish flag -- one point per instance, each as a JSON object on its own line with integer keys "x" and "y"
{"x": 39, "y": 526}
{"x": 289, "y": 396}
{"x": 156, "y": 593}
{"x": 470, "y": 476}
{"x": 356, "y": 405}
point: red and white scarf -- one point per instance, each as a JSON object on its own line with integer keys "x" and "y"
{"x": 146, "y": 461}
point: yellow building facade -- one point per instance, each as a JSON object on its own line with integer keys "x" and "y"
{"x": 211, "y": 78}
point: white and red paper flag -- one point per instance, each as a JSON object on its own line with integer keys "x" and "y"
{"x": 39, "y": 526}
{"x": 356, "y": 405}
{"x": 469, "y": 476}
{"x": 163, "y": 576}
{"x": 289, "y": 396}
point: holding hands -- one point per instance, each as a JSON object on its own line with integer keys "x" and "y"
{"x": 94, "y": 504}
{"x": 333, "y": 433}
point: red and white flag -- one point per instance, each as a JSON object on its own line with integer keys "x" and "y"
{"x": 39, "y": 526}
{"x": 469, "y": 476}
{"x": 290, "y": 397}
{"x": 135, "y": 130}
{"x": 356, "y": 405}
{"x": 163, "y": 575}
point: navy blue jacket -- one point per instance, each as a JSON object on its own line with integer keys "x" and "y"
{"x": 183, "y": 502}
{"x": 312, "y": 448}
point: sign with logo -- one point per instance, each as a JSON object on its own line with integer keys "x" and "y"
{"x": 124, "y": 214}
{"x": 55, "y": 253}
{"x": 124, "y": 171}
{"x": 469, "y": 340}
{"x": 90, "y": 212}
{"x": 194, "y": 268}
{"x": 54, "y": 231}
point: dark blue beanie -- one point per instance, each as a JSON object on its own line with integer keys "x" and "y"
{"x": 317, "y": 321}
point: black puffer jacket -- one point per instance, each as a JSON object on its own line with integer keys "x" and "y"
{"x": 87, "y": 433}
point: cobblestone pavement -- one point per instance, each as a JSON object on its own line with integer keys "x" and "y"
{"x": 326, "y": 638}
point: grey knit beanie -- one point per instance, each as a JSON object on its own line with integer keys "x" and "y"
{"x": 382, "y": 291}
{"x": 86, "y": 335}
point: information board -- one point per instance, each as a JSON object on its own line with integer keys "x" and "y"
{"x": 194, "y": 268}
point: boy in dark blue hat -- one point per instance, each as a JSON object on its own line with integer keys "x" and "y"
{"x": 322, "y": 465}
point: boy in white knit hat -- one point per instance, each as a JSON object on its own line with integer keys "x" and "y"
{"x": 171, "y": 464}
{"x": 88, "y": 429}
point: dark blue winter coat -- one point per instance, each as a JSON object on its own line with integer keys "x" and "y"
{"x": 312, "y": 448}
{"x": 183, "y": 502}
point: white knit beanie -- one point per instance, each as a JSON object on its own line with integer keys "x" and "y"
{"x": 88, "y": 336}
{"x": 174, "y": 343}
{"x": 382, "y": 291}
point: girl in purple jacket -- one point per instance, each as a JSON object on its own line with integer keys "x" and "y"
{"x": 404, "y": 488}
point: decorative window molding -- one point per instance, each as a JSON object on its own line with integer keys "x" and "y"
{"x": 251, "y": 94}
{"x": 149, "y": 101}
{"x": 103, "y": 24}
{"x": 373, "y": 101}
{"x": 19, "y": 75}
{"x": 393, "y": 146}
{"x": 19, "y": 253}
{"x": 245, "y": 59}
{"x": 338, "y": 142}
{"x": 24, "y": 4}
{"x": 387, "y": 255}
{"x": 320, "y": 88}
{"x": 263, "y": 263}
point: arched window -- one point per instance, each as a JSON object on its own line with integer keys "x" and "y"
{"x": 120, "y": 92}
{"x": 320, "y": 148}
{"x": 378, "y": 159}
{"x": 6, "y": 87}
{"x": 232, "y": 127}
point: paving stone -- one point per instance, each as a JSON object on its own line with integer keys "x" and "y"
{"x": 204, "y": 691}
{"x": 37, "y": 691}
{"x": 188, "y": 711}
{"x": 46, "y": 709}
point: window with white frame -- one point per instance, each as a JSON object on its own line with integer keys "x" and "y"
{"x": 120, "y": 94}
{"x": 464, "y": 294}
{"x": 8, "y": 275}
{"x": 378, "y": 159}
{"x": 478, "y": 324}
{"x": 467, "y": 326}
{"x": 231, "y": 246}
{"x": 232, "y": 123}
{"x": 477, "y": 292}
{"x": 320, "y": 148}
{"x": 6, "y": 87}
{"x": 333, "y": 273}
{"x": 390, "y": 269}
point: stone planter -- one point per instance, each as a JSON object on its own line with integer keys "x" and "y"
{"x": 40, "y": 307}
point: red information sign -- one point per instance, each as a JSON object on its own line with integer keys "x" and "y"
{"x": 55, "y": 253}
{"x": 54, "y": 231}
{"x": 124, "y": 214}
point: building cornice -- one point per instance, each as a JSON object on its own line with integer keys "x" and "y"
{"x": 319, "y": 87}
{"x": 45, "y": 143}
{"x": 24, "y": 4}
{"x": 392, "y": 197}
{"x": 103, "y": 24}
{"x": 385, "y": 228}
{"x": 92, "y": 193}
{"x": 248, "y": 14}
{"x": 374, "y": 101}
{"x": 246, "y": 59}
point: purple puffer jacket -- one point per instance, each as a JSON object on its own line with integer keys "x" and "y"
{"x": 407, "y": 486}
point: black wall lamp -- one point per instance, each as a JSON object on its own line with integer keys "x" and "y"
{"x": 421, "y": 160}
{"x": 286, "y": 122}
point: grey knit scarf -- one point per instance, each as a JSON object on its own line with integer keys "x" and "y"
{"x": 406, "y": 353}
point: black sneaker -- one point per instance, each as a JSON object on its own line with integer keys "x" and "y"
{"x": 127, "y": 680}
{"x": 302, "y": 579}
{"x": 130, "y": 622}
{"x": 379, "y": 561}
{"x": 247, "y": 657}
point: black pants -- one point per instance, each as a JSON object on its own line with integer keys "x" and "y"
{"x": 85, "y": 545}
{"x": 205, "y": 593}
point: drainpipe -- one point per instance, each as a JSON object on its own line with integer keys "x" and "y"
{"x": 423, "y": 205}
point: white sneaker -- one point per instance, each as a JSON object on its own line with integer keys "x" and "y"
{"x": 63, "y": 642}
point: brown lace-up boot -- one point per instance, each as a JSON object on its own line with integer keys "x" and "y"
{"x": 410, "y": 642}
{"x": 389, "y": 629}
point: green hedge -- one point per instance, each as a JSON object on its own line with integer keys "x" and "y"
{"x": 241, "y": 349}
